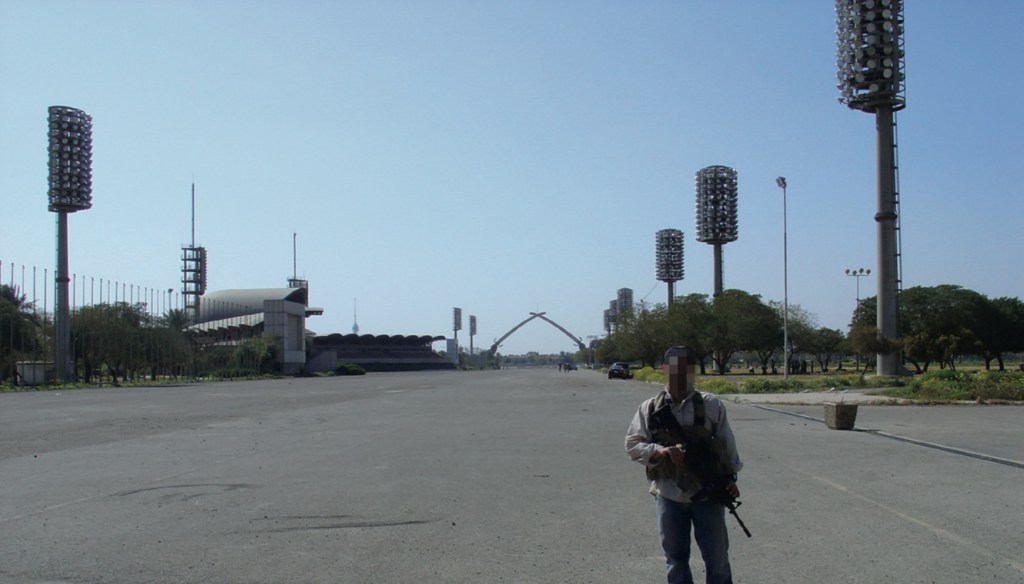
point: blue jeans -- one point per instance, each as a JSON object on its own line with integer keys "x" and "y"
{"x": 708, "y": 521}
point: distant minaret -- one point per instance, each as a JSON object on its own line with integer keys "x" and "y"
{"x": 355, "y": 324}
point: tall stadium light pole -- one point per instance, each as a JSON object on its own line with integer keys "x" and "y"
{"x": 781, "y": 182}
{"x": 70, "y": 190}
{"x": 472, "y": 333}
{"x": 669, "y": 259}
{"x": 869, "y": 58}
{"x": 456, "y": 323}
{"x": 623, "y": 304}
{"x": 716, "y": 212}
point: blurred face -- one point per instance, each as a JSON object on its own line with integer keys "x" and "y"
{"x": 680, "y": 375}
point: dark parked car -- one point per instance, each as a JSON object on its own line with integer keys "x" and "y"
{"x": 619, "y": 371}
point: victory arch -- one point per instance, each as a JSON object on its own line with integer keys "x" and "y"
{"x": 541, "y": 315}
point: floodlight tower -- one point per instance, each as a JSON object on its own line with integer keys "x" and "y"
{"x": 869, "y": 58}
{"x": 623, "y": 303}
{"x": 669, "y": 259}
{"x": 456, "y": 323}
{"x": 716, "y": 212}
{"x": 70, "y": 182}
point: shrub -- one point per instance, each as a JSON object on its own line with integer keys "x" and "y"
{"x": 947, "y": 384}
{"x": 717, "y": 386}
{"x": 772, "y": 386}
{"x": 648, "y": 374}
{"x": 349, "y": 369}
{"x": 234, "y": 373}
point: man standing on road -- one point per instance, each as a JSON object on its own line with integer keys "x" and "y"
{"x": 678, "y": 494}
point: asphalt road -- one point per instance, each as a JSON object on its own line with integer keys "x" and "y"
{"x": 503, "y": 476}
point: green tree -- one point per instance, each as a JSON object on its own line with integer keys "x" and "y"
{"x": 867, "y": 340}
{"x": 257, "y": 353}
{"x": 623, "y": 343}
{"x": 112, "y": 337}
{"x": 1002, "y": 329}
{"x": 690, "y": 320}
{"x": 20, "y": 330}
{"x": 939, "y": 323}
{"x": 801, "y": 327}
{"x": 741, "y": 322}
{"x": 650, "y": 331}
{"x": 826, "y": 343}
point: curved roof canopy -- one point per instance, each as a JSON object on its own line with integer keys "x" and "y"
{"x": 223, "y": 304}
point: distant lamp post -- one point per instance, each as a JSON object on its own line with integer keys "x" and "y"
{"x": 716, "y": 212}
{"x": 70, "y": 180}
{"x": 669, "y": 259}
{"x": 781, "y": 182}
{"x": 858, "y": 273}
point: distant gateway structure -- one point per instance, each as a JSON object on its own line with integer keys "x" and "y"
{"x": 540, "y": 315}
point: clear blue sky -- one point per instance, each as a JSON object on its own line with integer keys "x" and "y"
{"x": 505, "y": 156}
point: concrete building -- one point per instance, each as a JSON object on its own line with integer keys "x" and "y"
{"x": 231, "y": 316}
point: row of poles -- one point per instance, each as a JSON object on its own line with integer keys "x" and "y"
{"x": 869, "y": 57}
{"x": 87, "y": 290}
{"x": 36, "y": 342}
{"x": 870, "y": 72}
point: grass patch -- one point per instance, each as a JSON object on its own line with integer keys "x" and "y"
{"x": 742, "y": 383}
{"x": 948, "y": 385}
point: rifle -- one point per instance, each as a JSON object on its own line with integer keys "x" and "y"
{"x": 706, "y": 459}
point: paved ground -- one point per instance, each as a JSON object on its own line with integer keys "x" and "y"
{"x": 511, "y": 476}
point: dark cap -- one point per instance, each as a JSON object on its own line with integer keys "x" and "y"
{"x": 683, "y": 353}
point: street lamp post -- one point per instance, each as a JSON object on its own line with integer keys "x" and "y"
{"x": 857, "y": 273}
{"x": 781, "y": 182}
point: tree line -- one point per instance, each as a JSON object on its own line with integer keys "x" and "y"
{"x": 939, "y": 324}
{"x": 122, "y": 342}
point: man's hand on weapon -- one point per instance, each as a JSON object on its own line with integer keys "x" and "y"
{"x": 733, "y": 490}
{"x": 677, "y": 454}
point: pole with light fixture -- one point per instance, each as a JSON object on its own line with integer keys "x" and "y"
{"x": 70, "y": 190}
{"x": 869, "y": 58}
{"x": 781, "y": 182}
{"x": 716, "y": 212}
{"x": 858, "y": 273}
{"x": 669, "y": 259}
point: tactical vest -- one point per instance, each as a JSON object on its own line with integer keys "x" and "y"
{"x": 704, "y": 453}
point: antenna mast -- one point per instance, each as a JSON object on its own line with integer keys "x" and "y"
{"x": 295, "y": 281}
{"x": 355, "y": 323}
